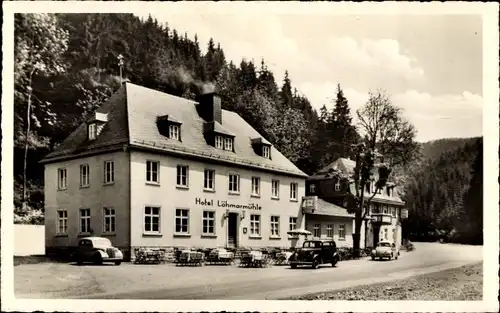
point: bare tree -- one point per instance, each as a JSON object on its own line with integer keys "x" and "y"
{"x": 388, "y": 141}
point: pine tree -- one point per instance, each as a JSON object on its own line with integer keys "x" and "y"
{"x": 286, "y": 96}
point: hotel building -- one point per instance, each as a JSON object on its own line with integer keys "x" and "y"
{"x": 150, "y": 169}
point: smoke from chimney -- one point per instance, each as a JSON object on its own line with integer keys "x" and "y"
{"x": 187, "y": 78}
{"x": 207, "y": 88}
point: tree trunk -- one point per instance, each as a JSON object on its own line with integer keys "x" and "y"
{"x": 356, "y": 237}
{"x": 26, "y": 143}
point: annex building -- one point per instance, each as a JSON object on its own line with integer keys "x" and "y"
{"x": 327, "y": 217}
{"x": 149, "y": 169}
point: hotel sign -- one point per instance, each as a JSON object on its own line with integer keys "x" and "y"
{"x": 226, "y": 204}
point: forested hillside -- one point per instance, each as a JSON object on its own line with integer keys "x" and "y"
{"x": 66, "y": 65}
{"x": 433, "y": 149}
{"x": 444, "y": 193}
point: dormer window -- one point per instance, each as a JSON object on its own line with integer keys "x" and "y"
{"x": 219, "y": 142}
{"x": 228, "y": 144}
{"x": 169, "y": 127}
{"x": 96, "y": 124}
{"x": 262, "y": 147}
{"x": 266, "y": 152}
{"x": 92, "y": 131}
{"x": 174, "y": 132}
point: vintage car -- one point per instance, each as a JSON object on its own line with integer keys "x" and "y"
{"x": 385, "y": 249}
{"x": 97, "y": 250}
{"x": 315, "y": 253}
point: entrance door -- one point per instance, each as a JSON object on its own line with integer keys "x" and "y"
{"x": 376, "y": 235}
{"x": 232, "y": 230}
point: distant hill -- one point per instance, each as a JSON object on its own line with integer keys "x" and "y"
{"x": 433, "y": 149}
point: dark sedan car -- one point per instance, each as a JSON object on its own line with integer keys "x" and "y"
{"x": 314, "y": 253}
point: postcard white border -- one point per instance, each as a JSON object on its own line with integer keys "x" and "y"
{"x": 489, "y": 11}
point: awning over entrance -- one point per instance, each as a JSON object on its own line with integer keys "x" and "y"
{"x": 317, "y": 206}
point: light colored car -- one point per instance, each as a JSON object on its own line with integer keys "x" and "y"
{"x": 385, "y": 249}
{"x": 97, "y": 250}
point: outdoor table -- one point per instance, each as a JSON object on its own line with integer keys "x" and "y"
{"x": 220, "y": 256}
{"x": 147, "y": 256}
{"x": 189, "y": 257}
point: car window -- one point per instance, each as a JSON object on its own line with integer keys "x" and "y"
{"x": 84, "y": 243}
{"x": 384, "y": 244}
{"x": 312, "y": 244}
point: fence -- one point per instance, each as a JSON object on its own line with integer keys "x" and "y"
{"x": 29, "y": 240}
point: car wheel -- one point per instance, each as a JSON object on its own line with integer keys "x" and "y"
{"x": 118, "y": 262}
{"x": 293, "y": 266}
{"x": 97, "y": 259}
{"x": 79, "y": 261}
{"x": 334, "y": 263}
{"x": 373, "y": 258}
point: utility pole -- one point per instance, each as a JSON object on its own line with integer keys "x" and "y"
{"x": 121, "y": 64}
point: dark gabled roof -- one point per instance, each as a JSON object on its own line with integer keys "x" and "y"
{"x": 132, "y": 113}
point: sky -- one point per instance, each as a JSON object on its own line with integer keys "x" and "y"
{"x": 429, "y": 65}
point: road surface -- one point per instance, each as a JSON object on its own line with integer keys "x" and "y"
{"x": 130, "y": 281}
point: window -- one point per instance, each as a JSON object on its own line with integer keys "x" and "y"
{"x": 209, "y": 180}
{"x": 84, "y": 175}
{"x": 109, "y": 172}
{"x": 275, "y": 189}
{"x": 84, "y": 220}
{"x": 182, "y": 176}
{"x": 234, "y": 183}
{"x": 293, "y": 191}
{"x": 337, "y": 186}
{"x": 182, "y": 221}
{"x": 292, "y": 223}
{"x": 255, "y": 224}
{"x": 275, "y": 226}
{"x": 208, "y": 223}
{"x": 329, "y": 230}
{"x": 228, "y": 144}
{"x": 386, "y": 209}
{"x": 152, "y": 171}
{"x": 219, "y": 142}
{"x": 255, "y": 186}
{"x": 312, "y": 188}
{"x": 92, "y": 129}
{"x": 62, "y": 178}
{"x": 174, "y": 132}
{"x": 385, "y": 234}
{"x": 109, "y": 220}
{"x": 62, "y": 222}
{"x": 151, "y": 219}
{"x": 342, "y": 232}
{"x": 266, "y": 152}
{"x": 393, "y": 212}
{"x": 317, "y": 230}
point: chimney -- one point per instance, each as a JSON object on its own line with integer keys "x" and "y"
{"x": 210, "y": 107}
